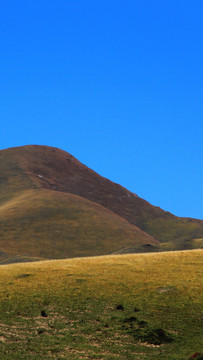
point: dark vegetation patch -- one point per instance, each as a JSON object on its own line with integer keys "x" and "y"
{"x": 43, "y": 313}
{"x": 142, "y": 331}
{"x": 120, "y": 307}
{"x": 130, "y": 320}
{"x": 80, "y": 280}
{"x": 22, "y": 276}
{"x": 156, "y": 336}
{"x": 142, "y": 323}
{"x": 196, "y": 356}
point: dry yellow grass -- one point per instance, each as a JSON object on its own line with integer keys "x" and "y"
{"x": 158, "y": 269}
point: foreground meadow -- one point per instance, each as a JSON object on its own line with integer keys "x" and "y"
{"x": 146, "y": 306}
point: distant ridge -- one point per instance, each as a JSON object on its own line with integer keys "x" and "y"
{"x": 53, "y": 206}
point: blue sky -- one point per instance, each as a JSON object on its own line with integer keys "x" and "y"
{"x": 118, "y": 84}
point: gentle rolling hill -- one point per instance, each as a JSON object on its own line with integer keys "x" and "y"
{"x": 140, "y": 306}
{"x": 52, "y": 206}
{"x": 51, "y": 224}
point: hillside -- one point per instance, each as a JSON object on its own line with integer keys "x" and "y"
{"x": 51, "y": 224}
{"x": 52, "y": 206}
{"x": 109, "y": 307}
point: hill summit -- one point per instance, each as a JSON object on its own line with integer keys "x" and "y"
{"x": 53, "y": 206}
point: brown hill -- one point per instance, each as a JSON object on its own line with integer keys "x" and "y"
{"x": 40, "y": 218}
{"x": 41, "y": 186}
{"x": 51, "y": 224}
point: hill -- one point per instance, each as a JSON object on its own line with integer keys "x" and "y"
{"x": 51, "y": 224}
{"x": 52, "y": 206}
{"x": 109, "y": 307}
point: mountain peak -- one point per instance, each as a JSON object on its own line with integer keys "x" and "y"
{"x": 49, "y": 185}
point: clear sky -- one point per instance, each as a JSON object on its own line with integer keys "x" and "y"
{"x": 118, "y": 84}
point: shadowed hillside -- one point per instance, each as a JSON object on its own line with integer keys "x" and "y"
{"x": 53, "y": 206}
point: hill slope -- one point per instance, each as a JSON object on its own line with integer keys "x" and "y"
{"x": 112, "y": 308}
{"x": 40, "y": 184}
{"x": 51, "y": 224}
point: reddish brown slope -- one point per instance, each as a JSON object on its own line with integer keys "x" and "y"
{"x": 55, "y": 169}
{"x": 51, "y": 224}
{"x": 50, "y": 168}
{"x": 40, "y": 218}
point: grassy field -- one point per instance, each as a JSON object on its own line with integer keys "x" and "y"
{"x": 146, "y": 306}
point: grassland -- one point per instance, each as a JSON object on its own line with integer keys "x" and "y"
{"x": 146, "y": 306}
